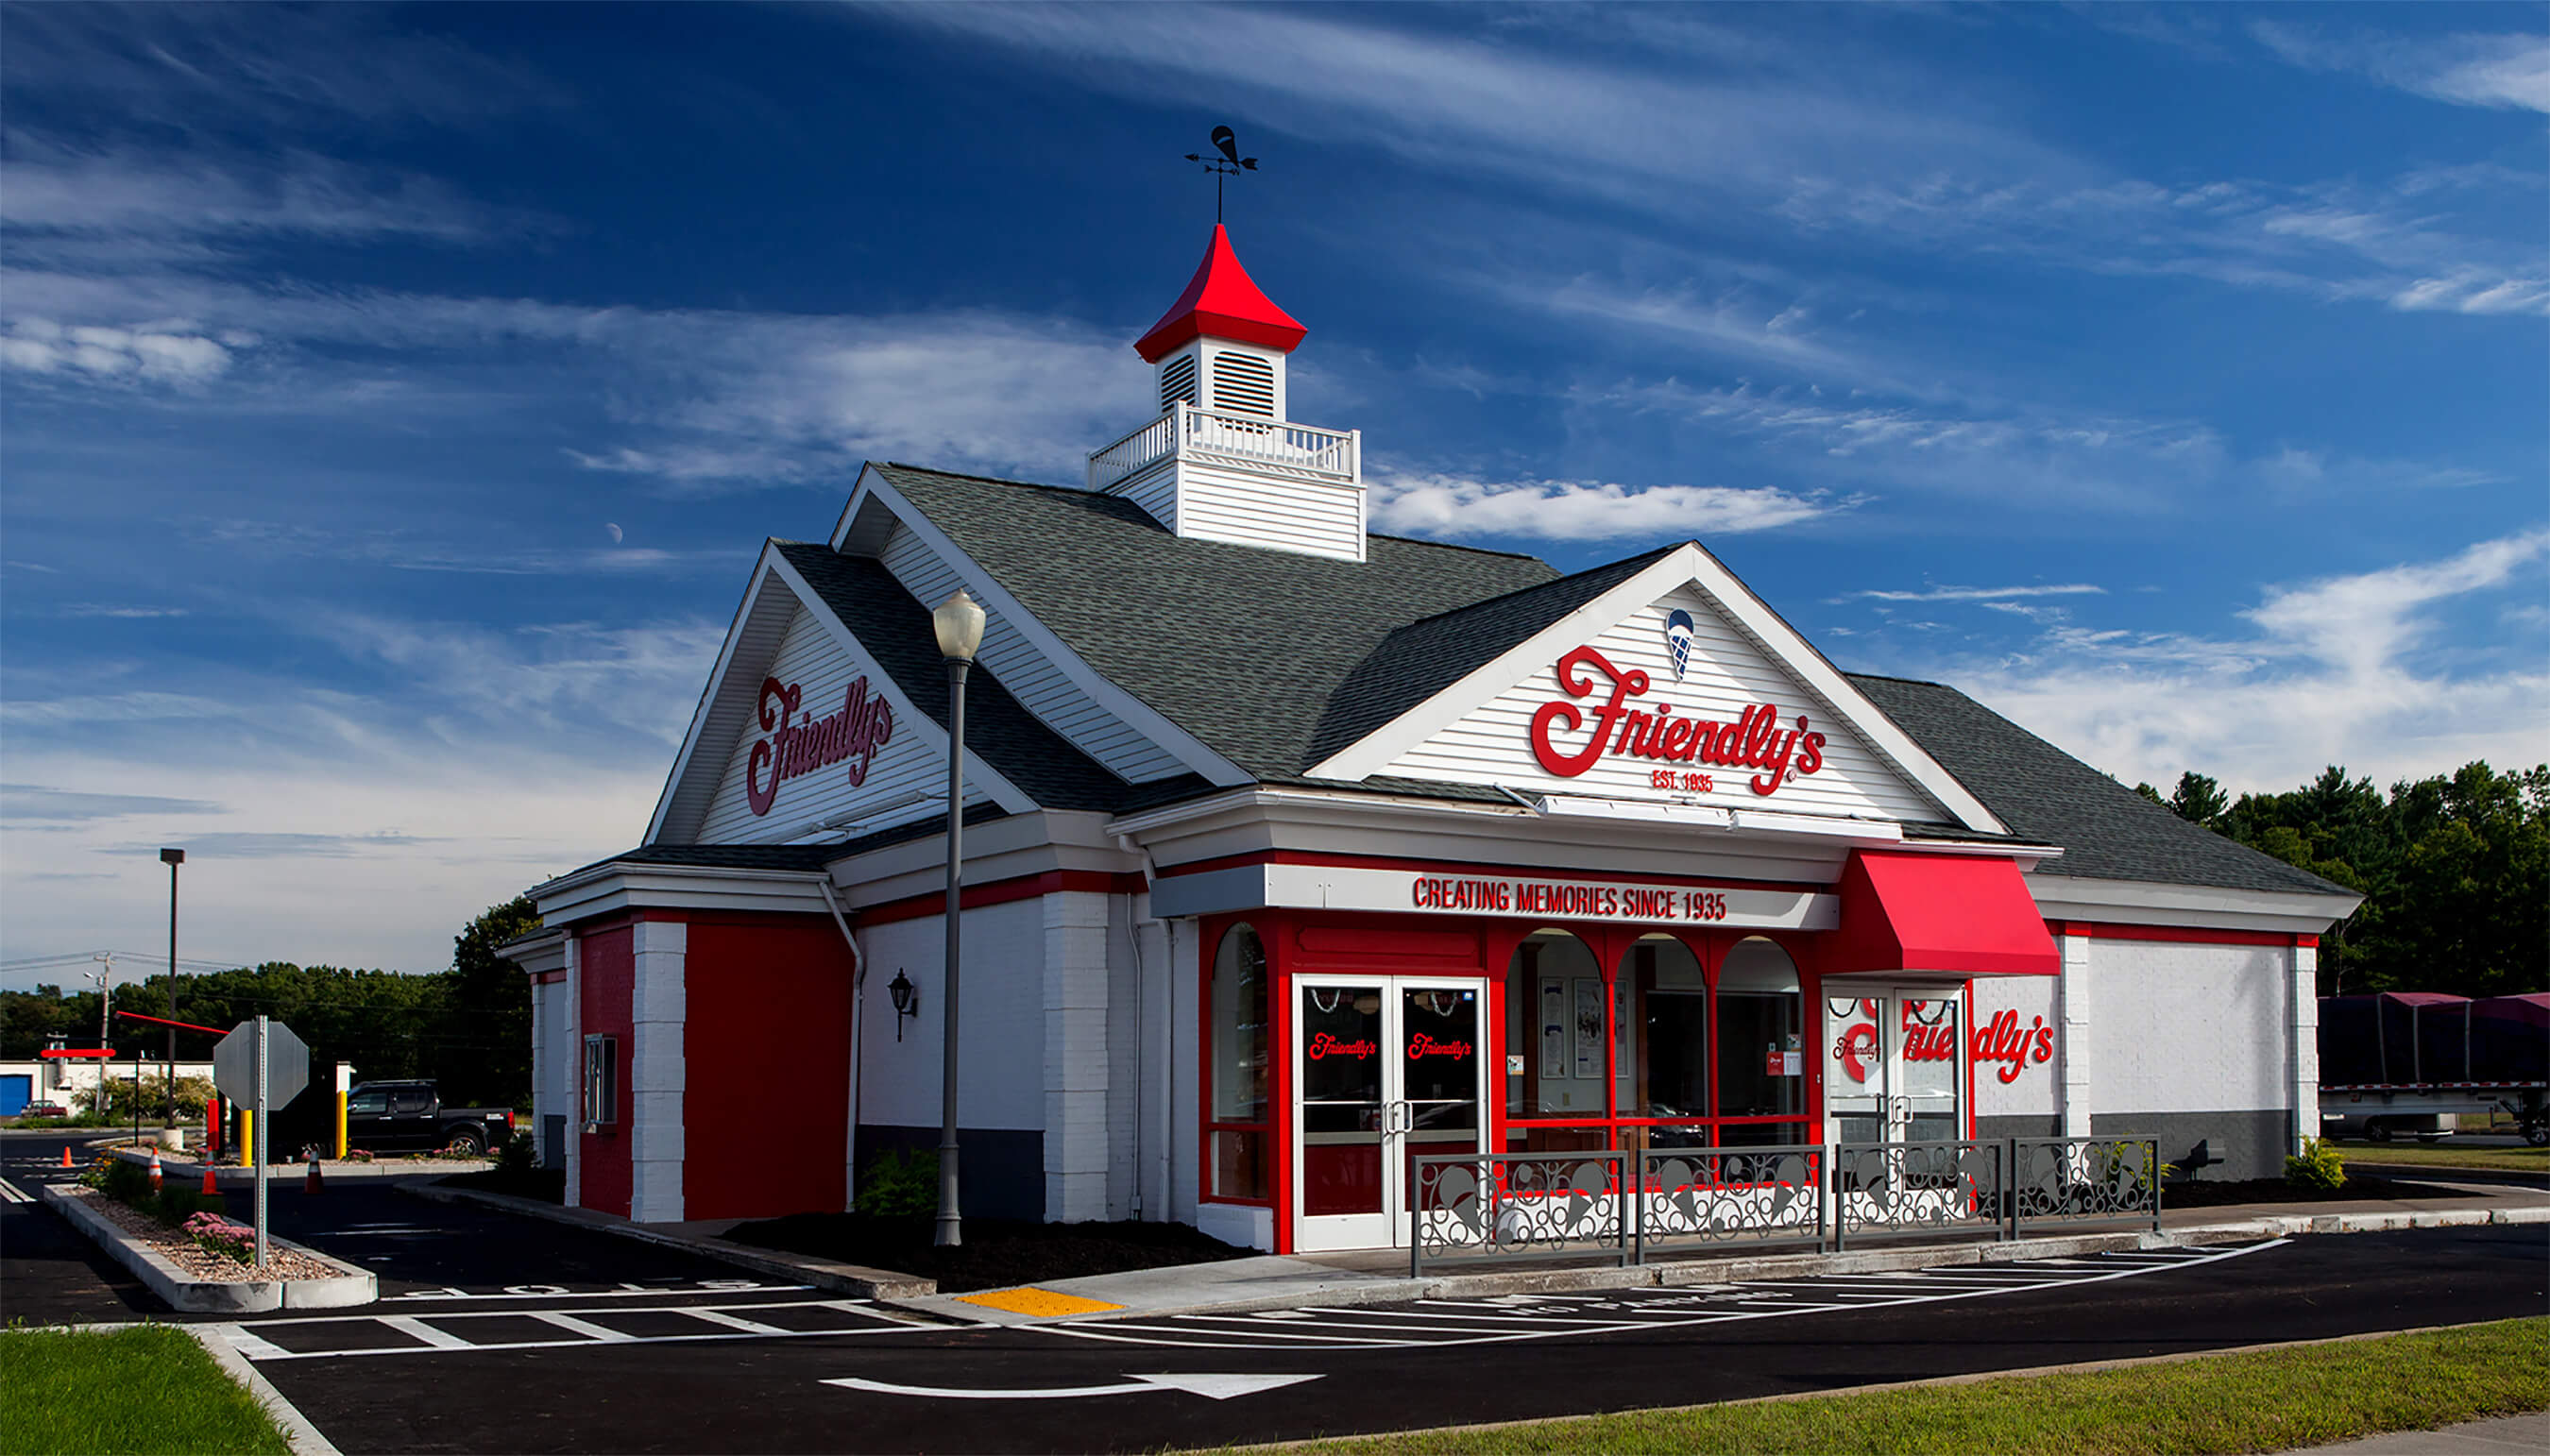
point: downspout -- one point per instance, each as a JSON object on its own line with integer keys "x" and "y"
{"x": 859, "y": 1024}
{"x": 1142, "y": 1024}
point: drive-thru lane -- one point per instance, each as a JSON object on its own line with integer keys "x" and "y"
{"x": 676, "y": 1382}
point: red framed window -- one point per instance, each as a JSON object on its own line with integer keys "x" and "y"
{"x": 1239, "y": 1034}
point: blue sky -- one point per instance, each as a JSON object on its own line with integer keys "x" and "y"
{"x": 394, "y": 397}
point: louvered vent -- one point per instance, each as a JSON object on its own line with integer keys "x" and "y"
{"x": 1177, "y": 381}
{"x": 1243, "y": 385}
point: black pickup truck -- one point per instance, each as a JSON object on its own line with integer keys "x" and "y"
{"x": 409, "y": 1116}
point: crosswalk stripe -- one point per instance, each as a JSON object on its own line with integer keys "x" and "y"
{"x": 12, "y": 1192}
{"x": 254, "y": 1347}
{"x": 439, "y": 1339}
{"x": 585, "y": 1327}
{"x": 749, "y": 1327}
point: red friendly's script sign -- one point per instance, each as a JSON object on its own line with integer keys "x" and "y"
{"x": 1756, "y": 739}
{"x": 800, "y": 745}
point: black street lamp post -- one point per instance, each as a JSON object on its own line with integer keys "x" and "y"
{"x": 169, "y": 1106}
{"x": 958, "y": 624}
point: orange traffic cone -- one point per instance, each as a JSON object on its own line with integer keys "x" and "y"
{"x": 310, "y": 1184}
{"x": 154, "y": 1170}
{"x": 66, "y": 1155}
{"x": 210, "y": 1185}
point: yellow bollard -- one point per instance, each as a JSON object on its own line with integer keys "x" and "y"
{"x": 247, "y": 1138}
{"x": 341, "y": 1123}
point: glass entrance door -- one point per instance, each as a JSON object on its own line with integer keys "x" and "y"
{"x": 1387, "y": 1068}
{"x": 1892, "y": 1072}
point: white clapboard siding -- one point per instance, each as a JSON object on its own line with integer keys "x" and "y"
{"x": 1727, "y": 673}
{"x": 900, "y": 775}
{"x": 1318, "y": 517}
{"x": 1038, "y": 685}
{"x": 1155, "y": 490}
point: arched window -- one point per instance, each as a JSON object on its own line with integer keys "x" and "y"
{"x": 1237, "y": 1070}
{"x": 1761, "y": 1050}
{"x": 1662, "y": 1030}
{"x": 1554, "y": 1027}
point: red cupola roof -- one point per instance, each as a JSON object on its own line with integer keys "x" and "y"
{"x": 1221, "y": 300}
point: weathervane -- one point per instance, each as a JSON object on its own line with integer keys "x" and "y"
{"x": 1229, "y": 164}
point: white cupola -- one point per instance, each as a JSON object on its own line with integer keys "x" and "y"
{"x": 1221, "y": 461}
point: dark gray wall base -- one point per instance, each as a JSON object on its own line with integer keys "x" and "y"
{"x": 999, "y": 1171}
{"x": 2238, "y": 1146}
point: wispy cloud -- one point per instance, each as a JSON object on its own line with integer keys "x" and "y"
{"x": 1979, "y": 593}
{"x": 2339, "y": 670}
{"x": 1458, "y": 508}
{"x": 40, "y": 802}
{"x": 2510, "y": 72}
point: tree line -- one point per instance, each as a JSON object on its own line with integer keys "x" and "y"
{"x": 2454, "y": 871}
{"x": 470, "y": 1027}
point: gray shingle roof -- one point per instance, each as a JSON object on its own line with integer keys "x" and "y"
{"x": 2108, "y": 832}
{"x": 895, "y": 630}
{"x": 1243, "y": 647}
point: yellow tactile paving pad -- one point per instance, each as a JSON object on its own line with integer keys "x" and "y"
{"x": 1037, "y": 1304}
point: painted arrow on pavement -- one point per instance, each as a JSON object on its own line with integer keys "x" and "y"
{"x": 1211, "y": 1385}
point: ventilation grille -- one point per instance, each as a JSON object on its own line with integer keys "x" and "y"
{"x": 1243, "y": 385}
{"x": 1177, "y": 381}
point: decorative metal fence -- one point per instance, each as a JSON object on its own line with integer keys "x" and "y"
{"x": 1696, "y": 1197}
{"x": 1628, "y": 1206}
{"x": 1472, "y": 1207}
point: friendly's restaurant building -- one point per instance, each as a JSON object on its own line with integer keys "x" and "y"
{"x": 1293, "y": 851}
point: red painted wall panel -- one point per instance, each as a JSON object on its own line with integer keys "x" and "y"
{"x": 767, "y": 1043}
{"x": 607, "y": 970}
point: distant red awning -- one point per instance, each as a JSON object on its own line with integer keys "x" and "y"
{"x": 1938, "y": 914}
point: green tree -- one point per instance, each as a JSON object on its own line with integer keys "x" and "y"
{"x": 488, "y": 1019}
{"x": 2198, "y": 800}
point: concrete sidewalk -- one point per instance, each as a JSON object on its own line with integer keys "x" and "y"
{"x": 1380, "y": 1276}
{"x": 2504, "y": 1436}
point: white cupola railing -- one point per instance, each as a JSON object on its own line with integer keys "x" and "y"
{"x": 1239, "y": 439}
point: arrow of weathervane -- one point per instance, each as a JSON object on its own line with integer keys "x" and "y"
{"x": 1212, "y": 1385}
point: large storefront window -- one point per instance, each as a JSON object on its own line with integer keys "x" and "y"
{"x": 1238, "y": 1142}
{"x": 1689, "y": 1065}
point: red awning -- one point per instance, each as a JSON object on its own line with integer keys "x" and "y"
{"x": 1938, "y": 914}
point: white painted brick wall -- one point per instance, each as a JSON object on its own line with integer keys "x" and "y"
{"x": 2076, "y": 1057}
{"x": 658, "y": 1074}
{"x": 2038, "y": 1087}
{"x": 1075, "y": 1055}
{"x": 1001, "y": 1084}
{"x": 574, "y": 1038}
{"x": 2304, "y": 1044}
{"x": 2183, "y": 1027}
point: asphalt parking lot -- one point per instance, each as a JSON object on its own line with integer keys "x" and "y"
{"x": 498, "y": 1333}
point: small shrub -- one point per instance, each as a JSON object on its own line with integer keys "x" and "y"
{"x": 126, "y": 1183}
{"x": 899, "y": 1183}
{"x": 173, "y": 1204}
{"x": 515, "y": 1155}
{"x": 2317, "y": 1167}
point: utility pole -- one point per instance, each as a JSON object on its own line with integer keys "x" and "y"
{"x": 105, "y": 979}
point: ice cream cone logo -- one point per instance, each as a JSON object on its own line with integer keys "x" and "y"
{"x": 1679, "y": 633}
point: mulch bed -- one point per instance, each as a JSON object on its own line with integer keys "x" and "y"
{"x": 2198, "y": 1194}
{"x": 998, "y": 1253}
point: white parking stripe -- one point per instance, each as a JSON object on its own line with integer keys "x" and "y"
{"x": 11, "y": 1193}
{"x": 250, "y": 1345}
{"x": 437, "y": 1339}
{"x": 585, "y": 1327}
{"x": 720, "y": 1317}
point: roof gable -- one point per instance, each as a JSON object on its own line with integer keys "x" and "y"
{"x": 1586, "y": 697}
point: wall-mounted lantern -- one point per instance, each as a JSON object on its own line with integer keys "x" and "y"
{"x": 906, "y": 1000}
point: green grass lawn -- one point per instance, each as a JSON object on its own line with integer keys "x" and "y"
{"x": 2446, "y": 1155}
{"x": 151, "y": 1389}
{"x": 2263, "y": 1401}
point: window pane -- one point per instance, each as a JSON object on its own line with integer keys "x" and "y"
{"x": 1554, "y": 1025}
{"x": 1930, "y": 1078}
{"x": 1663, "y": 1046}
{"x": 1240, "y": 1165}
{"x": 1761, "y": 1055}
{"x": 1239, "y": 1027}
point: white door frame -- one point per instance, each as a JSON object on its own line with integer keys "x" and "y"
{"x": 1387, "y": 1227}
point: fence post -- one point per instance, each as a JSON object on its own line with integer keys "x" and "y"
{"x": 1834, "y": 1193}
{"x": 1415, "y": 1196}
{"x": 1638, "y": 1205}
{"x": 2151, "y": 1164}
{"x": 2010, "y": 1188}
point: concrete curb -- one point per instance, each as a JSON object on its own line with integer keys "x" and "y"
{"x": 192, "y": 1169}
{"x": 216, "y": 1296}
{"x": 852, "y": 1278}
{"x": 305, "y": 1438}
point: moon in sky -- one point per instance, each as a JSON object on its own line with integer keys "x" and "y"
{"x": 614, "y": 530}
